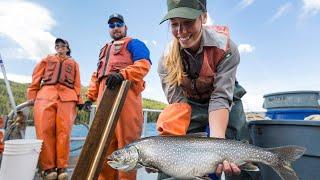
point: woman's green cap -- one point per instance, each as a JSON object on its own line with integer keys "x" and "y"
{"x": 188, "y": 9}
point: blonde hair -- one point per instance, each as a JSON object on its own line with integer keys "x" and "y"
{"x": 173, "y": 64}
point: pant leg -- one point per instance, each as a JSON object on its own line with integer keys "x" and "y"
{"x": 237, "y": 126}
{"x": 44, "y": 121}
{"x": 66, "y": 114}
{"x": 128, "y": 129}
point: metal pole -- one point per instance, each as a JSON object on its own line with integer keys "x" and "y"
{"x": 92, "y": 113}
{"x": 11, "y": 99}
{"x": 145, "y": 122}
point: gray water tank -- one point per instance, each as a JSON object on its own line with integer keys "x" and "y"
{"x": 275, "y": 133}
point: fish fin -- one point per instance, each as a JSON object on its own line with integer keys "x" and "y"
{"x": 203, "y": 178}
{"x": 198, "y": 134}
{"x": 249, "y": 167}
{"x": 287, "y": 155}
{"x": 151, "y": 169}
{"x": 285, "y": 171}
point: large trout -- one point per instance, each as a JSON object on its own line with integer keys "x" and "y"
{"x": 192, "y": 157}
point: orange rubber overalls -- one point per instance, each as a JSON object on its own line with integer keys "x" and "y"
{"x": 55, "y": 88}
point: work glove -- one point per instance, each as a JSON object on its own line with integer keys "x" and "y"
{"x": 114, "y": 80}
{"x": 87, "y": 105}
{"x": 80, "y": 106}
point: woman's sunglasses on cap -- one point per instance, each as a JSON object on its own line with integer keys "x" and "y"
{"x": 116, "y": 24}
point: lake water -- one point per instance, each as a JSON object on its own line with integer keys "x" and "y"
{"x": 82, "y": 131}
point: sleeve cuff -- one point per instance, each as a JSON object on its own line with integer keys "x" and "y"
{"x": 219, "y": 103}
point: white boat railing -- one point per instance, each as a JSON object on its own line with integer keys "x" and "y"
{"x": 91, "y": 117}
{"x": 145, "y": 117}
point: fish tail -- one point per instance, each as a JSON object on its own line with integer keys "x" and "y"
{"x": 287, "y": 155}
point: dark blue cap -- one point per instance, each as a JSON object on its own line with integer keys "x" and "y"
{"x": 116, "y": 16}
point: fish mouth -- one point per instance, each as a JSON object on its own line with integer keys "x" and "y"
{"x": 111, "y": 162}
{"x": 114, "y": 162}
{"x": 118, "y": 166}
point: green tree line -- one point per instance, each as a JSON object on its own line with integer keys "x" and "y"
{"x": 19, "y": 91}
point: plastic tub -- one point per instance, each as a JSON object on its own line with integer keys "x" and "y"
{"x": 24, "y": 142}
{"x": 20, "y": 156}
{"x": 267, "y": 134}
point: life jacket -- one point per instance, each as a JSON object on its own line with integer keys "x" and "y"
{"x": 200, "y": 89}
{"x": 114, "y": 57}
{"x": 62, "y": 72}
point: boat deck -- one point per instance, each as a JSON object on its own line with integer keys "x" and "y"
{"x": 141, "y": 175}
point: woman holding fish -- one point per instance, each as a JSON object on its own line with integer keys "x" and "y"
{"x": 198, "y": 76}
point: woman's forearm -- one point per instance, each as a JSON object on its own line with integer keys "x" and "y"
{"x": 218, "y": 122}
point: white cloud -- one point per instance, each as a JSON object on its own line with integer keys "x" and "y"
{"x": 310, "y": 7}
{"x": 13, "y": 53}
{"x": 282, "y": 11}
{"x": 245, "y": 3}
{"x": 253, "y": 99}
{"x": 29, "y": 25}
{"x": 17, "y": 78}
{"x": 245, "y": 48}
{"x": 253, "y": 102}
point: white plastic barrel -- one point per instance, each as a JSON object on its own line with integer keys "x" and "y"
{"x": 20, "y": 158}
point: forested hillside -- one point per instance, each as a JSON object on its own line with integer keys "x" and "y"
{"x": 19, "y": 92}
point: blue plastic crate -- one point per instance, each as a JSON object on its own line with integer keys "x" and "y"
{"x": 290, "y": 113}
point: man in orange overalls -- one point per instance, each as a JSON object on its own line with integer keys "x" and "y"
{"x": 121, "y": 59}
{"x": 55, "y": 90}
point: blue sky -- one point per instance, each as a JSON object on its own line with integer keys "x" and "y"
{"x": 278, "y": 40}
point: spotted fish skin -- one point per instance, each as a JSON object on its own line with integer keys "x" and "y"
{"x": 189, "y": 157}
